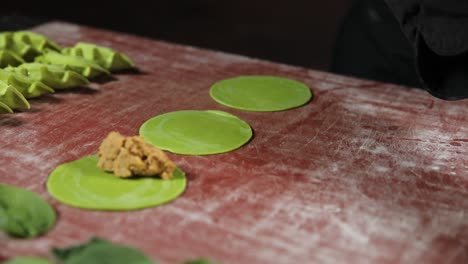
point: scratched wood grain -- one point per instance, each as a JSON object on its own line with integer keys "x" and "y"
{"x": 365, "y": 173}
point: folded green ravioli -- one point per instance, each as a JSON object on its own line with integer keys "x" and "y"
{"x": 32, "y": 65}
{"x": 5, "y": 109}
{"x": 9, "y": 58}
{"x": 10, "y": 96}
{"x": 26, "y": 44}
{"x": 28, "y": 87}
{"x": 106, "y": 57}
{"x": 85, "y": 67}
{"x": 26, "y": 51}
{"x": 38, "y": 41}
{"x": 57, "y": 77}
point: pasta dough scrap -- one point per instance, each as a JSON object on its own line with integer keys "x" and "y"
{"x": 106, "y": 57}
{"x": 132, "y": 156}
{"x": 57, "y": 77}
{"x": 85, "y": 67}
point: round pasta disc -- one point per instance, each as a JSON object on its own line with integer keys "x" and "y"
{"x": 260, "y": 93}
{"x": 196, "y": 132}
{"x": 82, "y": 184}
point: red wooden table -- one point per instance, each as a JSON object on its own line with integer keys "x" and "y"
{"x": 365, "y": 173}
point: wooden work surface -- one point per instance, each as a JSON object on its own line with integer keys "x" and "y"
{"x": 365, "y": 173}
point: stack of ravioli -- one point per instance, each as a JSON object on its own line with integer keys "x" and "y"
{"x": 32, "y": 65}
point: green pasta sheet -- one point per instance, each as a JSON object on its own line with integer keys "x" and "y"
{"x": 107, "y": 58}
{"x": 82, "y": 184}
{"x": 5, "y": 109}
{"x": 24, "y": 213}
{"x": 25, "y": 85}
{"x": 193, "y": 132}
{"x": 261, "y": 93}
{"x": 9, "y": 58}
{"x": 10, "y": 96}
{"x": 26, "y": 44}
{"x": 55, "y": 76}
{"x": 85, "y": 67}
{"x": 38, "y": 41}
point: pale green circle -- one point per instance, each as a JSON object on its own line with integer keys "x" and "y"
{"x": 82, "y": 184}
{"x": 260, "y": 93}
{"x": 196, "y": 132}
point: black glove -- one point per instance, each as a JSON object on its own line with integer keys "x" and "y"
{"x": 438, "y": 31}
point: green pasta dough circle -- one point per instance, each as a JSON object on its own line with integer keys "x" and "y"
{"x": 82, "y": 184}
{"x": 196, "y": 132}
{"x": 260, "y": 93}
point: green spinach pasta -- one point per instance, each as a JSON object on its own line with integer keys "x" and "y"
{"x": 28, "y": 87}
{"x": 87, "y": 68}
{"x": 9, "y": 58}
{"x": 55, "y": 76}
{"x": 11, "y": 97}
{"x": 106, "y": 57}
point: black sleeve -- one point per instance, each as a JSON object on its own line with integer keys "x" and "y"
{"x": 438, "y": 31}
{"x": 16, "y": 22}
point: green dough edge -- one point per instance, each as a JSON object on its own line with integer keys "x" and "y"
{"x": 193, "y": 132}
{"x": 27, "y": 260}
{"x": 260, "y": 93}
{"x": 54, "y": 76}
{"x": 12, "y": 97}
{"x": 82, "y": 184}
{"x": 5, "y": 109}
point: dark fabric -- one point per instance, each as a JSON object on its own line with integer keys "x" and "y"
{"x": 436, "y": 50}
{"x": 371, "y": 45}
{"x": 16, "y": 22}
{"x": 438, "y": 31}
{"x": 443, "y": 24}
